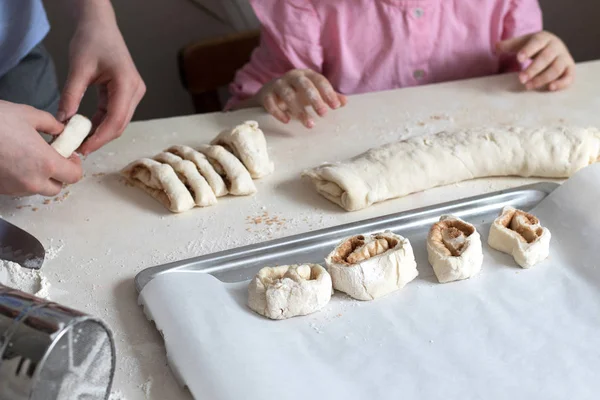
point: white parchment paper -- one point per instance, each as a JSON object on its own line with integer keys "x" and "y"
{"x": 507, "y": 333}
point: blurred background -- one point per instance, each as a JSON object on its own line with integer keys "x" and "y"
{"x": 155, "y": 31}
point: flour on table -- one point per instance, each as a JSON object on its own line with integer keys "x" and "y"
{"x": 24, "y": 279}
{"x": 116, "y": 395}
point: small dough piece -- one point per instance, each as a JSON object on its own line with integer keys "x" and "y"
{"x": 75, "y": 132}
{"x": 237, "y": 178}
{"x": 370, "y": 266}
{"x": 454, "y": 249}
{"x": 161, "y": 182}
{"x": 420, "y": 163}
{"x": 520, "y": 234}
{"x": 188, "y": 174}
{"x": 247, "y": 142}
{"x": 290, "y": 290}
{"x": 215, "y": 180}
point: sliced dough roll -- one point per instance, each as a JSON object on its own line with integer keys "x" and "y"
{"x": 75, "y": 132}
{"x": 161, "y": 182}
{"x": 520, "y": 234}
{"x": 420, "y": 163}
{"x": 206, "y": 169}
{"x": 289, "y": 290}
{"x": 370, "y": 266}
{"x": 238, "y": 180}
{"x": 192, "y": 179}
{"x": 454, "y": 249}
{"x": 247, "y": 142}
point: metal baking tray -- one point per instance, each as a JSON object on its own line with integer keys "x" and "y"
{"x": 240, "y": 264}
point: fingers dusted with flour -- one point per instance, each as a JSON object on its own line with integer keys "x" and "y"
{"x": 290, "y": 95}
{"x": 550, "y": 66}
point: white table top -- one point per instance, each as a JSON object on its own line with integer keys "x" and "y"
{"x": 109, "y": 232}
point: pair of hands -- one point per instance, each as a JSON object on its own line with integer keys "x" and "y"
{"x": 98, "y": 56}
{"x": 551, "y": 66}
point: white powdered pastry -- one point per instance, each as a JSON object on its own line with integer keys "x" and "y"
{"x": 161, "y": 182}
{"x": 236, "y": 176}
{"x": 188, "y": 174}
{"x": 420, "y": 163}
{"x": 215, "y": 180}
{"x": 247, "y": 142}
{"x": 370, "y": 266}
{"x": 520, "y": 234}
{"x": 290, "y": 290}
{"x": 454, "y": 249}
{"x": 75, "y": 132}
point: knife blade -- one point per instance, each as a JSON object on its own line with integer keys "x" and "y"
{"x": 19, "y": 246}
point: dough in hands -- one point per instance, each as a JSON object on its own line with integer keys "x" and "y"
{"x": 454, "y": 249}
{"x": 289, "y": 290}
{"x": 247, "y": 142}
{"x": 520, "y": 234}
{"x": 75, "y": 132}
{"x": 215, "y": 180}
{"x": 370, "y": 266}
{"x": 237, "y": 178}
{"x": 161, "y": 182}
{"x": 420, "y": 163}
{"x": 188, "y": 174}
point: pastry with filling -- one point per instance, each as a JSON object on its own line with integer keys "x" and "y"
{"x": 520, "y": 234}
{"x": 370, "y": 266}
{"x": 161, "y": 182}
{"x": 247, "y": 142}
{"x": 454, "y": 249}
{"x": 192, "y": 179}
{"x": 205, "y": 168}
{"x": 289, "y": 290}
{"x": 236, "y": 176}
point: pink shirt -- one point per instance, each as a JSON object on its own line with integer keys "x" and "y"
{"x": 370, "y": 45}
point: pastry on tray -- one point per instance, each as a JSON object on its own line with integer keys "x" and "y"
{"x": 520, "y": 234}
{"x": 289, "y": 290}
{"x": 370, "y": 266}
{"x": 454, "y": 249}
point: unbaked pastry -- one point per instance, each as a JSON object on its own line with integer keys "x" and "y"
{"x": 188, "y": 174}
{"x": 75, "y": 132}
{"x": 420, "y": 163}
{"x": 215, "y": 180}
{"x": 237, "y": 178}
{"x": 370, "y": 266}
{"x": 520, "y": 234}
{"x": 247, "y": 142}
{"x": 454, "y": 249}
{"x": 289, "y": 290}
{"x": 161, "y": 182}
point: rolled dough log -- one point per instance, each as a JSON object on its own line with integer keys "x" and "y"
{"x": 247, "y": 142}
{"x": 236, "y": 177}
{"x": 215, "y": 180}
{"x": 161, "y": 182}
{"x": 420, "y": 163}
{"x": 75, "y": 132}
{"x": 370, "y": 266}
{"x": 289, "y": 290}
{"x": 454, "y": 249}
{"x": 188, "y": 175}
{"x": 520, "y": 234}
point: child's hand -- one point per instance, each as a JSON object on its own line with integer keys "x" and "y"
{"x": 294, "y": 91}
{"x": 551, "y": 63}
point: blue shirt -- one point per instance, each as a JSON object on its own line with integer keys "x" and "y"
{"x": 23, "y": 25}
